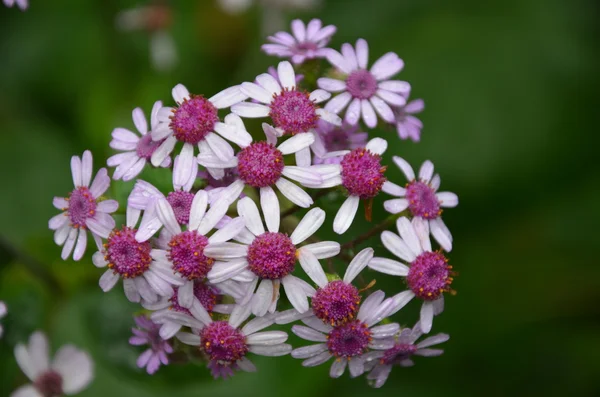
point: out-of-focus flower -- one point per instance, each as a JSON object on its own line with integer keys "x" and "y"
{"x": 70, "y": 372}
{"x": 3, "y": 311}
{"x": 226, "y": 344}
{"x": 365, "y": 90}
{"x": 22, "y": 4}
{"x": 147, "y": 333}
{"x": 408, "y": 126}
{"x": 380, "y": 363}
{"x": 427, "y": 274}
{"x": 83, "y": 209}
{"x": 307, "y": 42}
{"x": 155, "y": 19}
{"x": 422, "y": 198}
{"x": 137, "y": 150}
{"x": 270, "y": 257}
{"x": 332, "y": 142}
{"x": 239, "y": 6}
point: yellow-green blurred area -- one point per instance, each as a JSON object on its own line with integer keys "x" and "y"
{"x": 511, "y": 124}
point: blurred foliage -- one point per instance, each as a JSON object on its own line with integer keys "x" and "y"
{"x": 511, "y": 91}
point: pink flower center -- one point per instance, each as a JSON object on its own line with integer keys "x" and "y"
{"x": 306, "y": 47}
{"x": 400, "y": 352}
{"x": 125, "y": 255}
{"x": 293, "y": 111}
{"x": 272, "y": 256}
{"x": 194, "y": 119}
{"x": 336, "y": 303}
{"x": 422, "y": 200}
{"x": 206, "y": 294}
{"x": 49, "y": 384}
{"x": 429, "y": 275}
{"x": 82, "y": 205}
{"x": 181, "y": 202}
{"x": 260, "y": 164}
{"x": 361, "y": 84}
{"x": 362, "y": 173}
{"x": 186, "y": 252}
{"x": 146, "y": 146}
{"x": 349, "y": 340}
{"x": 224, "y": 345}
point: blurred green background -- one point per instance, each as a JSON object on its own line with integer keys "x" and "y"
{"x": 511, "y": 121}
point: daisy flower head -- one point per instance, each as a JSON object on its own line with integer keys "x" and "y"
{"x": 182, "y": 252}
{"x": 405, "y": 346}
{"x": 332, "y": 142}
{"x": 423, "y": 200}
{"x": 145, "y": 276}
{"x": 83, "y": 209}
{"x": 269, "y": 257}
{"x": 408, "y": 126}
{"x": 22, "y": 4}
{"x": 427, "y": 273}
{"x": 195, "y": 122}
{"x": 349, "y": 343}
{"x": 137, "y": 149}
{"x": 3, "y": 311}
{"x": 306, "y": 41}
{"x": 261, "y": 165}
{"x": 227, "y": 343}
{"x": 69, "y": 373}
{"x": 366, "y": 91}
{"x": 171, "y": 316}
{"x": 146, "y": 332}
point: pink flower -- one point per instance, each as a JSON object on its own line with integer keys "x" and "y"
{"x": 408, "y": 126}
{"x": 22, "y": 4}
{"x": 147, "y": 333}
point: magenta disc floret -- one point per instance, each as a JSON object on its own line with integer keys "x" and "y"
{"x": 400, "y": 352}
{"x": 194, "y": 119}
{"x": 349, "y": 340}
{"x": 224, "y": 345}
{"x": 49, "y": 384}
{"x": 361, "y": 84}
{"x": 336, "y": 303}
{"x": 293, "y": 112}
{"x": 362, "y": 173}
{"x": 422, "y": 200}
{"x": 260, "y": 164}
{"x": 272, "y": 256}
{"x": 207, "y": 295}
{"x": 186, "y": 252}
{"x": 181, "y": 202}
{"x": 429, "y": 275}
{"x": 82, "y": 205}
{"x": 125, "y": 255}
{"x": 146, "y": 147}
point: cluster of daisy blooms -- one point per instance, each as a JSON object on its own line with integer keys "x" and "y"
{"x": 211, "y": 261}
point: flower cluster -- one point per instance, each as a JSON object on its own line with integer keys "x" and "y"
{"x": 222, "y": 257}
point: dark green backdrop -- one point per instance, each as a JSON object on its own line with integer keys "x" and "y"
{"x": 511, "y": 123}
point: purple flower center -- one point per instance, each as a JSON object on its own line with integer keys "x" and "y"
{"x": 361, "y": 84}
{"x": 82, "y": 205}
{"x": 293, "y": 111}
{"x": 49, "y": 384}
{"x": 231, "y": 175}
{"x": 337, "y": 139}
{"x": 260, "y": 164}
{"x": 349, "y": 340}
{"x": 181, "y": 202}
{"x": 306, "y": 47}
{"x": 194, "y": 119}
{"x": 186, "y": 252}
{"x": 224, "y": 345}
{"x": 125, "y": 255}
{"x": 362, "y": 173}
{"x": 206, "y": 295}
{"x": 146, "y": 146}
{"x": 336, "y": 303}
{"x": 429, "y": 275}
{"x": 272, "y": 256}
{"x": 400, "y": 352}
{"x": 422, "y": 200}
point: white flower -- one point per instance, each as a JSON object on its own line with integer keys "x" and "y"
{"x": 137, "y": 150}
{"x": 70, "y": 372}
{"x": 427, "y": 274}
{"x": 83, "y": 209}
{"x": 270, "y": 257}
{"x": 423, "y": 200}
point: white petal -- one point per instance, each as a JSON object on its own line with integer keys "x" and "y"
{"x": 286, "y": 74}
{"x": 237, "y": 135}
{"x": 228, "y": 97}
{"x": 250, "y": 110}
{"x": 199, "y": 312}
{"x": 295, "y": 293}
{"x": 257, "y": 324}
{"x": 319, "y": 96}
{"x": 239, "y": 315}
{"x": 358, "y": 263}
{"x": 391, "y": 98}
{"x": 309, "y": 333}
{"x": 387, "y": 66}
{"x": 188, "y": 338}
{"x": 185, "y": 294}
{"x": 248, "y": 210}
{"x": 295, "y": 143}
{"x": 294, "y": 193}
{"x": 317, "y": 360}
{"x": 368, "y": 114}
{"x": 256, "y": 92}
{"x": 400, "y": 300}
{"x": 440, "y": 232}
{"x": 393, "y": 189}
{"x": 383, "y": 109}
{"x": 447, "y": 199}
{"x": 323, "y": 249}
{"x": 165, "y": 213}
{"x": 262, "y": 298}
{"x": 433, "y": 340}
{"x": 198, "y": 209}
{"x": 400, "y": 87}
{"x": 397, "y": 246}
{"x": 377, "y": 146}
{"x": 421, "y": 227}
{"x": 338, "y": 367}
{"x": 222, "y": 271}
{"x": 405, "y": 168}
{"x": 312, "y": 267}
{"x": 345, "y": 215}
{"x": 356, "y": 366}
{"x": 331, "y": 85}
{"x": 362, "y": 53}
{"x": 426, "y": 317}
{"x": 303, "y": 175}
{"x": 385, "y": 331}
{"x": 267, "y": 338}
{"x": 246, "y": 365}
{"x": 108, "y": 280}
{"x": 370, "y": 304}
{"x": 329, "y": 116}
{"x": 139, "y": 120}
{"x": 27, "y": 390}
{"x": 213, "y": 216}
{"x": 426, "y": 171}
{"x": 180, "y": 93}
{"x": 395, "y": 206}
{"x": 225, "y": 251}
{"x": 130, "y": 290}
{"x": 408, "y": 234}
{"x": 182, "y": 168}
{"x": 269, "y": 83}
{"x": 76, "y": 171}
{"x": 76, "y": 368}
{"x": 353, "y": 112}
{"x": 389, "y": 266}
{"x": 309, "y": 351}
{"x": 163, "y": 151}
{"x": 270, "y": 207}
{"x": 311, "y": 222}
{"x": 271, "y": 351}
{"x": 339, "y": 102}
{"x": 220, "y": 147}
